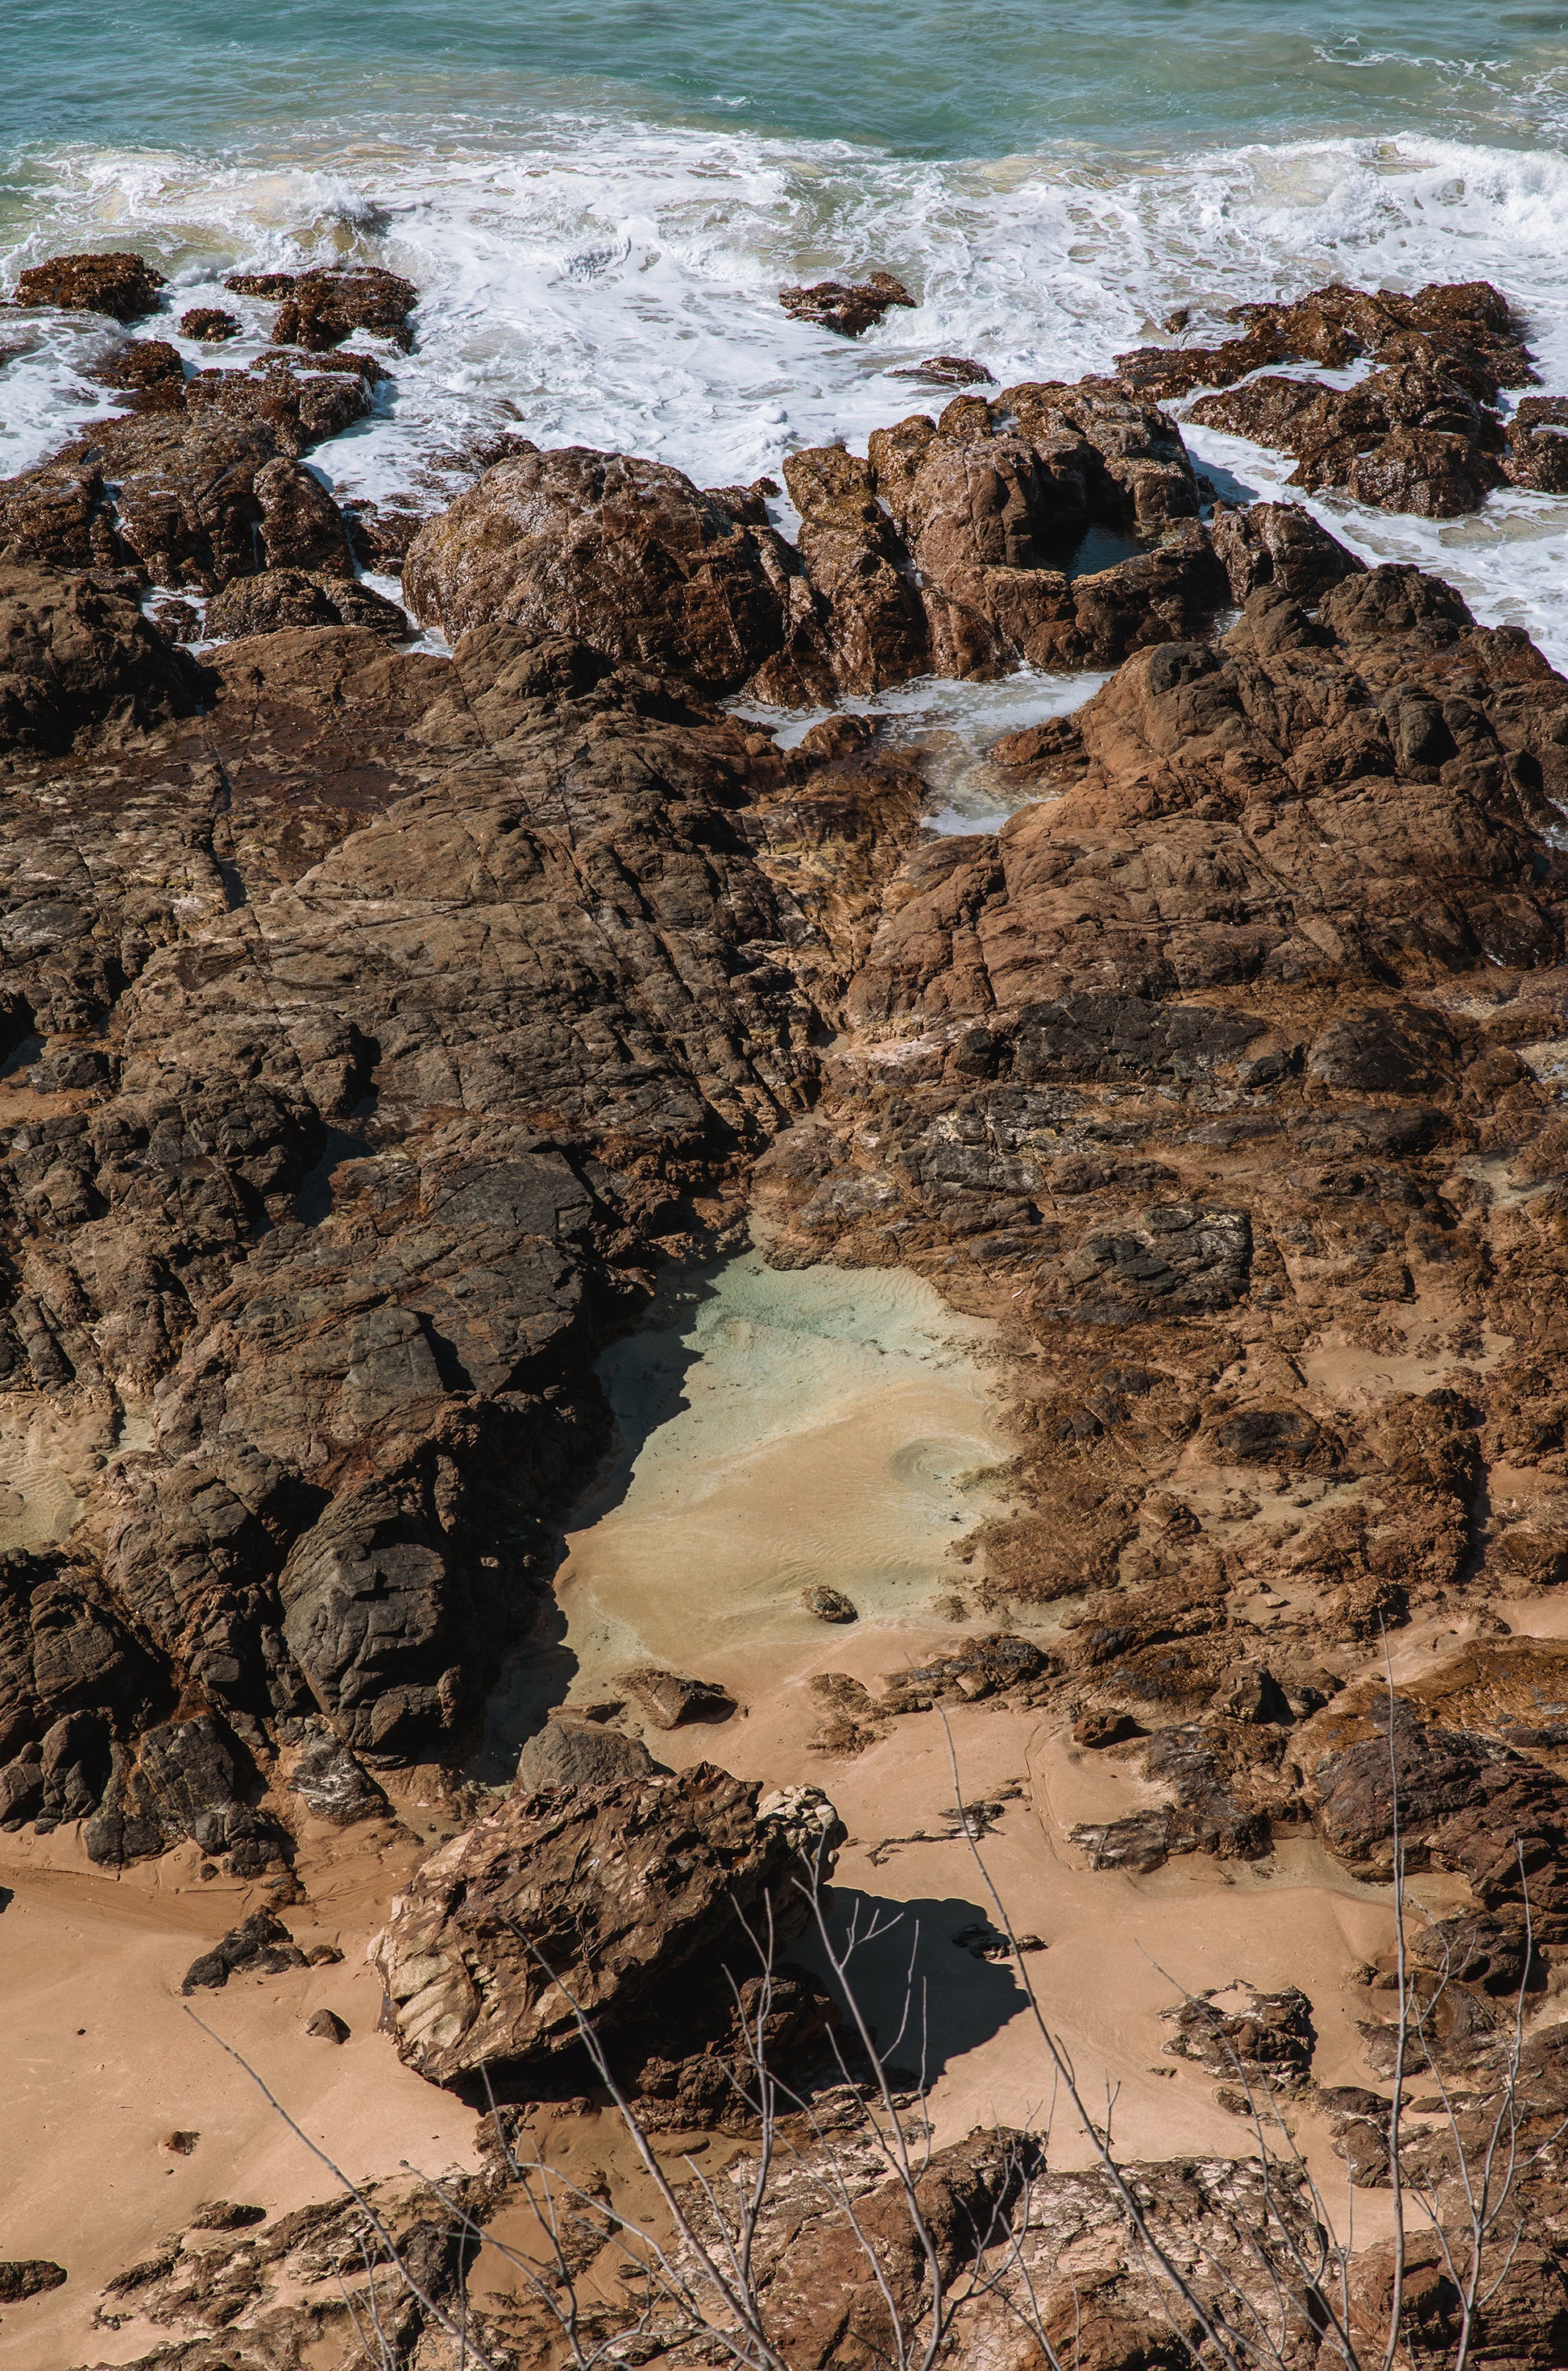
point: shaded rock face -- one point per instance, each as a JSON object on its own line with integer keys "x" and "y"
{"x": 77, "y": 657}
{"x": 950, "y": 548}
{"x": 359, "y": 1240}
{"x": 1420, "y": 433}
{"x": 599, "y": 1892}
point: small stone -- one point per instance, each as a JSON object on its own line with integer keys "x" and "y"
{"x": 323, "y": 1955}
{"x": 1104, "y": 1725}
{"x": 180, "y": 2144}
{"x": 328, "y": 2025}
{"x": 947, "y": 370}
{"x": 669, "y": 1699}
{"x": 829, "y": 1605}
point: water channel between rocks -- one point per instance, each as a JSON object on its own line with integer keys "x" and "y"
{"x": 775, "y": 1428}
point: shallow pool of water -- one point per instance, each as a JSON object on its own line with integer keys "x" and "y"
{"x": 776, "y": 1429}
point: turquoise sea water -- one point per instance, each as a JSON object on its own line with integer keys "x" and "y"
{"x": 599, "y": 203}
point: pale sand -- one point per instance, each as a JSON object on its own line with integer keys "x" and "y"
{"x": 817, "y": 1426}
{"x": 85, "y": 2181}
{"x": 825, "y": 1434}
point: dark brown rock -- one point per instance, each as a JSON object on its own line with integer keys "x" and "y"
{"x": 1236, "y": 2030}
{"x": 223, "y": 2214}
{"x": 149, "y": 372}
{"x": 669, "y": 1699}
{"x": 76, "y": 660}
{"x": 327, "y": 2026}
{"x": 573, "y": 1753}
{"x": 947, "y": 370}
{"x": 848, "y": 307}
{"x": 28, "y": 2276}
{"x": 322, "y": 307}
{"x": 210, "y": 324}
{"x": 117, "y": 283}
{"x": 286, "y": 598}
{"x": 628, "y": 555}
{"x": 261, "y": 1946}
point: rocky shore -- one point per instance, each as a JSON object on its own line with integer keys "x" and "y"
{"x": 393, "y": 992}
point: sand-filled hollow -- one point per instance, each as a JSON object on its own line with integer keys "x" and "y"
{"x": 775, "y": 1430}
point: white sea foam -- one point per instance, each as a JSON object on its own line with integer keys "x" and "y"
{"x": 593, "y": 278}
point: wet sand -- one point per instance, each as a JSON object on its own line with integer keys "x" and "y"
{"x": 778, "y": 1430}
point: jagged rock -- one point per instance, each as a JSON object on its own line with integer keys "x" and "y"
{"x": 149, "y": 371}
{"x": 323, "y": 307}
{"x": 1466, "y": 1803}
{"x": 223, "y": 2214}
{"x": 1416, "y": 434}
{"x": 120, "y": 285}
{"x": 301, "y": 524}
{"x": 947, "y": 370}
{"x": 626, "y": 554}
{"x": 1278, "y": 543}
{"x": 571, "y": 1754}
{"x": 1237, "y": 2029}
{"x": 601, "y": 1895}
{"x": 1141, "y": 1842}
{"x": 333, "y": 1782}
{"x": 287, "y": 597}
{"x": 182, "y": 1778}
{"x": 28, "y": 2276}
{"x": 1537, "y": 445}
{"x": 327, "y": 2026}
{"x": 77, "y": 659}
{"x": 261, "y": 1946}
{"x": 848, "y": 307}
{"x": 829, "y": 1605}
{"x": 210, "y": 324}
{"x": 827, "y": 2302}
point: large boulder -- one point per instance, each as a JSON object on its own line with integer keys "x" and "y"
{"x": 588, "y": 1898}
{"x": 625, "y": 554}
{"x": 120, "y": 285}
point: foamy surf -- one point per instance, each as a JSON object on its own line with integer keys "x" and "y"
{"x": 598, "y": 277}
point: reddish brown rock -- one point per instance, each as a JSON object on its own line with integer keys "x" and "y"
{"x": 848, "y": 307}
{"x": 321, "y": 308}
{"x": 592, "y": 1898}
{"x": 122, "y": 286}
{"x": 625, "y": 554}
{"x": 209, "y": 324}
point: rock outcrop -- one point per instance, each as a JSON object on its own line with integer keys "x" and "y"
{"x": 1419, "y": 432}
{"x": 848, "y": 307}
{"x": 117, "y": 283}
{"x": 584, "y": 1900}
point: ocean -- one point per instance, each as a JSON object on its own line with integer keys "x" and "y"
{"x": 600, "y": 203}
